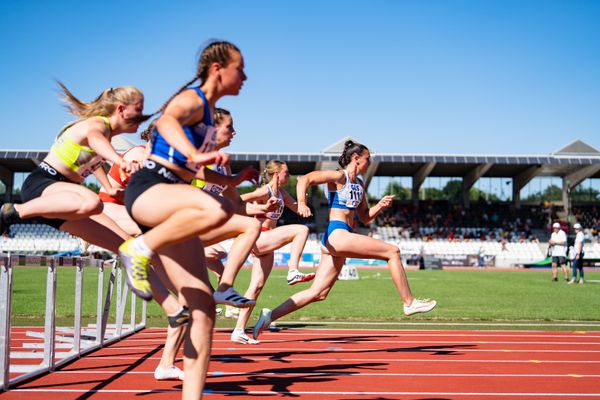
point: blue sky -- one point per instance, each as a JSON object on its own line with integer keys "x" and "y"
{"x": 468, "y": 77}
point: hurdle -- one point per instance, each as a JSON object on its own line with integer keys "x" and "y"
{"x": 62, "y": 345}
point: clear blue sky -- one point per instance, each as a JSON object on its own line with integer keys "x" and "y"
{"x": 509, "y": 77}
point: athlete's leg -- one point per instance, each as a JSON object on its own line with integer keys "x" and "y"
{"x": 118, "y": 213}
{"x": 326, "y": 276}
{"x": 185, "y": 267}
{"x": 261, "y": 269}
{"x": 184, "y": 212}
{"x": 62, "y": 200}
{"x": 246, "y": 231}
{"x": 352, "y": 245}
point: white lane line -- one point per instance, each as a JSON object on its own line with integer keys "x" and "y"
{"x": 353, "y": 374}
{"x": 336, "y": 393}
{"x": 223, "y": 358}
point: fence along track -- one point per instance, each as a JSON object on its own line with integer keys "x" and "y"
{"x": 73, "y": 342}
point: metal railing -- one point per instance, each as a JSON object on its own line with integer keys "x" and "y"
{"x": 75, "y": 341}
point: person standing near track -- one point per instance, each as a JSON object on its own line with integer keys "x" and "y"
{"x": 172, "y": 213}
{"x": 272, "y": 237}
{"x": 577, "y": 259}
{"x": 346, "y": 196}
{"x": 558, "y": 243}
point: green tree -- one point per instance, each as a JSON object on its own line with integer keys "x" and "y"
{"x": 395, "y": 188}
{"x": 433, "y": 194}
{"x": 453, "y": 190}
{"x": 585, "y": 194}
{"x": 551, "y": 193}
{"x": 92, "y": 186}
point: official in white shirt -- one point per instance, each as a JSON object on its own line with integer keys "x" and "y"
{"x": 558, "y": 241}
{"x": 577, "y": 261}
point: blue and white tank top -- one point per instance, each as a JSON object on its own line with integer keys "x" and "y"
{"x": 202, "y": 135}
{"x": 275, "y": 215}
{"x": 348, "y": 197}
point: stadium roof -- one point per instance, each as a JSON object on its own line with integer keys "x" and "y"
{"x": 575, "y": 156}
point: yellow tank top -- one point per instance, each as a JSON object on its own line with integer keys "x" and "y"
{"x": 208, "y": 186}
{"x": 81, "y": 159}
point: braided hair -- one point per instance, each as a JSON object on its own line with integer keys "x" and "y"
{"x": 350, "y": 148}
{"x": 217, "y": 51}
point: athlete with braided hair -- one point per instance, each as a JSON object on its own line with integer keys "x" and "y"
{"x": 172, "y": 214}
{"x": 346, "y": 197}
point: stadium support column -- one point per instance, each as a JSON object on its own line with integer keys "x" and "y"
{"x": 570, "y": 181}
{"x": 370, "y": 173}
{"x": 522, "y": 179}
{"x": 262, "y": 164}
{"x": 8, "y": 178}
{"x": 469, "y": 180}
{"x": 418, "y": 179}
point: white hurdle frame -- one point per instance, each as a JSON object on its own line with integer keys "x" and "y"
{"x": 70, "y": 340}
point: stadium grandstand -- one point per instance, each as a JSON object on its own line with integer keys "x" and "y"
{"x": 458, "y": 231}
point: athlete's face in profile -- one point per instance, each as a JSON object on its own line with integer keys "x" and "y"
{"x": 225, "y": 132}
{"x": 131, "y": 114}
{"x": 363, "y": 161}
{"x": 233, "y": 76}
{"x": 283, "y": 175}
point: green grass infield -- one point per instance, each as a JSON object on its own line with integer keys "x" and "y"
{"x": 467, "y": 299}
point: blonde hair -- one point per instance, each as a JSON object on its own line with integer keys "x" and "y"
{"x": 271, "y": 169}
{"x": 105, "y": 104}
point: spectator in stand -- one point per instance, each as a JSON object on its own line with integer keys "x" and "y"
{"x": 577, "y": 261}
{"x": 558, "y": 241}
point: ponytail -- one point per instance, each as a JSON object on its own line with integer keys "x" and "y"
{"x": 272, "y": 167}
{"x": 350, "y": 148}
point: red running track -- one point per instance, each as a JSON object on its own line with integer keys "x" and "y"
{"x": 344, "y": 364}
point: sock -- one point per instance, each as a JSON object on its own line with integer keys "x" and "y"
{"x": 140, "y": 246}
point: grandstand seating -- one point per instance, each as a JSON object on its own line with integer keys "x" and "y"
{"x": 38, "y": 239}
{"x": 43, "y": 239}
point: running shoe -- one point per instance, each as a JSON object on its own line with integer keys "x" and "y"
{"x": 581, "y": 281}
{"x": 572, "y": 281}
{"x": 180, "y": 319}
{"x": 136, "y": 270}
{"x": 232, "y": 298}
{"x": 263, "y": 322}
{"x": 419, "y": 306}
{"x": 168, "y": 374}
{"x": 8, "y": 216}
{"x": 239, "y": 336}
{"x": 295, "y": 276}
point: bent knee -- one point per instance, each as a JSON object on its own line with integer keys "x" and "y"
{"x": 219, "y": 216}
{"x": 90, "y": 206}
{"x": 393, "y": 252}
{"x": 254, "y": 226}
{"x": 303, "y": 230}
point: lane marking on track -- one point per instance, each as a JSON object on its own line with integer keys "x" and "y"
{"x": 336, "y": 393}
{"x": 352, "y": 374}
